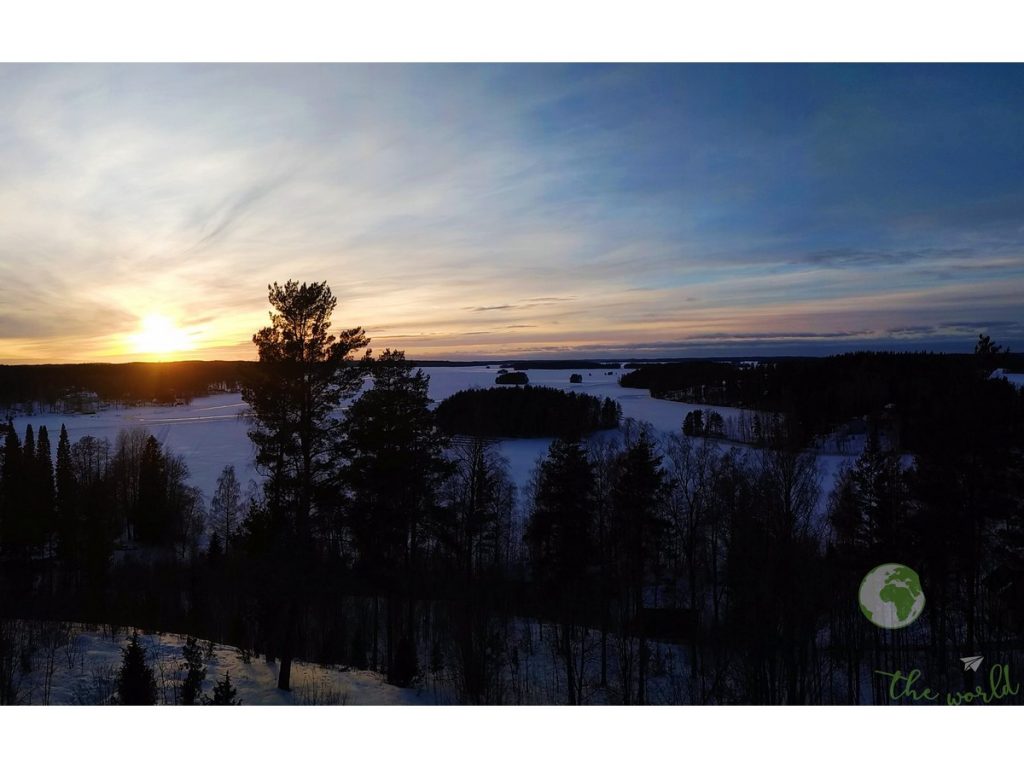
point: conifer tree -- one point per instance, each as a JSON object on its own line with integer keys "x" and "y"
{"x": 224, "y": 693}
{"x": 560, "y": 534}
{"x": 44, "y": 490}
{"x": 294, "y": 392}
{"x": 153, "y": 513}
{"x": 395, "y": 463}
{"x": 29, "y": 511}
{"x": 195, "y": 672}
{"x": 638, "y": 527}
{"x": 12, "y": 493}
{"x": 66, "y": 500}
{"x": 136, "y": 684}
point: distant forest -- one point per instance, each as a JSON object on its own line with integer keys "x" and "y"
{"x": 525, "y": 412}
{"x": 918, "y": 393}
{"x": 50, "y": 385}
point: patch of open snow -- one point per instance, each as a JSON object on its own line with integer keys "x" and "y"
{"x": 97, "y": 654}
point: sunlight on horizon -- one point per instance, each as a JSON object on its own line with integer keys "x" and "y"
{"x": 159, "y": 336}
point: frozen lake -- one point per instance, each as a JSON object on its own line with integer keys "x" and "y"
{"x": 211, "y": 432}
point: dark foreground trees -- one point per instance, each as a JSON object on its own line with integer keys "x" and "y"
{"x": 653, "y": 569}
{"x": 394, "y": 468}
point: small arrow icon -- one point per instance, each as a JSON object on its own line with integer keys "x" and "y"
{"x": 971, "y": 663}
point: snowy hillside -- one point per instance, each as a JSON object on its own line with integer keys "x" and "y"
{"x": 76, "y": 664}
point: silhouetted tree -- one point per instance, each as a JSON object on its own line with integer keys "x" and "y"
{"x": 44, "y": 491}
{"x": 638, "y": 528}
{"x": 14, "y": 496}
{"x": 693, "y": 424}
{"x": 294, "y": 392}
{"x": 195, "y": 672}
{"x": 136, "y": 683}
{"x": 152, "y": 518}
{"x": 395, "y": 464}
{"x": 987, "y": 348}
{"x": 560, "y": 535}
{"x": 68, "y": 528}
{"x": 226, "y": 506}
{"x": 128, "y": 452}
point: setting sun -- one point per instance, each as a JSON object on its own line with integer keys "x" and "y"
{"x": 160, "y": 336}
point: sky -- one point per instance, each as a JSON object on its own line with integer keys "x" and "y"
{"x": 483, "y": 212}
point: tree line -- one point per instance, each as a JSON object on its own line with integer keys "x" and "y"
{"x": 53, "y": 388}
{"x": 817, "y": 395}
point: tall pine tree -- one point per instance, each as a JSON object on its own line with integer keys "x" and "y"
{"x": 294, "y": 393}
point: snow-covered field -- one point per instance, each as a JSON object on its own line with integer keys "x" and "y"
{"x": 211, "y": 431}
{"x": 83, "y": 664}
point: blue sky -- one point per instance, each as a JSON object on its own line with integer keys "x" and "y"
{"x": 498, "y": 211}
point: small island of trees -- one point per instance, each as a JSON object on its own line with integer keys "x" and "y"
{"x": 516, "y": 377}
{"x": 525, "y": 412}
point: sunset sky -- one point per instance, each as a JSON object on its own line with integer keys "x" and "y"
{"x": 520, "y": 211}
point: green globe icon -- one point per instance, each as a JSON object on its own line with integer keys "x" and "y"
{"x": 891, "y": 596}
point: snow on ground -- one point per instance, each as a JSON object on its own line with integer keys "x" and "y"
{"x": 211, "y": 431}
{"x": 1017, "y": 379}
{"x": 84, "y": 671}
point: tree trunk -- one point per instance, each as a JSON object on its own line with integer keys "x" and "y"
{"x": 284, "y": 677}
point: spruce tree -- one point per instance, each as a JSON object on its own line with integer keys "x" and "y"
{"x": 638, "y": 530}
{"x": 66, "y": 501}
{"x": 224, "y": 693}
{"x": 153, "y": 524}
{"x": 195, "y": 672}
{"x": 136, "y": 684}
{"x": 12, "y": 493}
{"x": 395, "y": 464}
{"x": 29, "y": 512}
{"x": 44, "y": 492}
{"x": 561, "y": 536}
